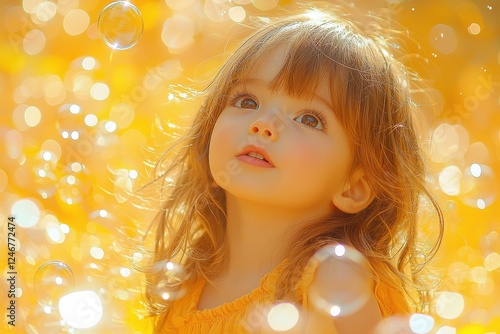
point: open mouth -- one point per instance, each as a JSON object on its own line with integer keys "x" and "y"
{"x": 257, "y": 156}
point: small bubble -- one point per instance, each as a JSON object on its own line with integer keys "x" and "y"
{"x": 169, "y": 279}
{"x": 74, "y": 185}
{"x": 489, "y": 7}
{"x": 53, "y": 280}
{"x": 69, "y": 118}
{"x": 120, "y": 25}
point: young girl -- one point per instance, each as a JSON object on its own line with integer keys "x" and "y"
{"x": 302, "y": 156}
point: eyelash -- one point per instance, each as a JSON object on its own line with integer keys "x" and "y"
{"x": 240, "y": 94}
{"x": 320, "y": 117}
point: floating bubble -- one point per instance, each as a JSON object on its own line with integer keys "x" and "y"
{"x": 69, "y": 119}
{"x": 120, "y": 25}
{"x": 53, "y": 280}
{"x": 74, "y": 185}
{"x": 169, "y": 278}
{"x": 81, "y": 309}
{"x": 341, "y": 285}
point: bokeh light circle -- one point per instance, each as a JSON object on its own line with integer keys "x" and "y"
{"x": 81, "y": 309}
{"x": 479, "y": 186}
{"x": 53, "y": 280}
{"x": 26, "y": 212}
{"x": 283, "y": 317}
{"x": 120, "y": 25}
{"x": 449, "y": 305}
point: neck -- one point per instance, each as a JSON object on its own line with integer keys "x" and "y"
{"x": 257, "y": 235}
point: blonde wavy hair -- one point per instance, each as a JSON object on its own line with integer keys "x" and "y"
{"x": 371, "y": 92}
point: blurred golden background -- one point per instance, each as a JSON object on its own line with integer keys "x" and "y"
{"x": 76, "y": 115}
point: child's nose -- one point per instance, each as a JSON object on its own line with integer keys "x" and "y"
{"x": 265, "y": 127}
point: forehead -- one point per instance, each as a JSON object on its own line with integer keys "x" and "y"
{"x": 268, "y": 68}
{"x": 279, "y": 72}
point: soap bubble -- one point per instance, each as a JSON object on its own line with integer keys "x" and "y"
{"x": 74, "y": 184}
{"x": 169, "y": 278}
{"x": 53, "y": 280}
{"x": 120, "y": 25}
{"x": 341, "y": 285}
{"x": 69, "y": 120}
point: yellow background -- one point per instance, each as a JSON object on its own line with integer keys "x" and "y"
{"x": 51, "y": 57}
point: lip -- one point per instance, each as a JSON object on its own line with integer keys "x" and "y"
{"x": 243, "y": 156}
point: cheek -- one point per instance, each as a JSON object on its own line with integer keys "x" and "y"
{"x": 221, "y": 152}
{"x": 322, "y": 160}
{"x": 313, "y": 152}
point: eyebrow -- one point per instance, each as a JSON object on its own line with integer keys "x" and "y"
{"x": 264, "y": 83}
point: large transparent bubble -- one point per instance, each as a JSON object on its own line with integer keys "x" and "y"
{"x": 342, "y": 284}
{"x": 120, "y": 25}
{"x": 53, "y": 280}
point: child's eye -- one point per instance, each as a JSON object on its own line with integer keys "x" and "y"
{"x": 246, "y": 103}
{"x": 313, "y": 121}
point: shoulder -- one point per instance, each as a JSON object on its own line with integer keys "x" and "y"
{"x": 337, "y": 288}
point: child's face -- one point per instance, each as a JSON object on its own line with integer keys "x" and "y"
{"x": 306, "y": 151}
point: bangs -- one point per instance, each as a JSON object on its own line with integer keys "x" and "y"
{"x": 316, "y": 53}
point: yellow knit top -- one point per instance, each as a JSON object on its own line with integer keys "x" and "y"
{"x": 237, "y": 316}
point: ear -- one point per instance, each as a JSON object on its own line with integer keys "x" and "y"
{"x": 356, "y": 195}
